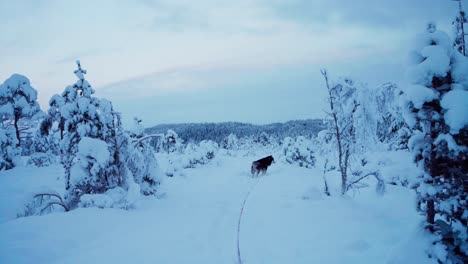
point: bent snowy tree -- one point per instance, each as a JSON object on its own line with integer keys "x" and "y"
{"x": 346, "y": 135}
{"x": 18, "y": 100}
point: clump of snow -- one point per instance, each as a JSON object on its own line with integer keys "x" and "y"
{"x": 79, "y": 72}
{"x": 396, "y": 167}
{"x": 93, "y": 148}
{"x": 456, "y": 104}
{"x": 113, "y": 198}
{"x": 96, "y": 200}
{"x": 460, "y": 70}
{"x": 451, "y": 144}
{"x": 435, "y": 64}
{"x": 6, "y": 109}
{"x": 418, "y": 95}
{"x": 93, "y": 156}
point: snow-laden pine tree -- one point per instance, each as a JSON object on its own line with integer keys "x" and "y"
{"x": 18, "y": 101}
{"x": 91, "y": 147}
{"x": 437, "y": 110}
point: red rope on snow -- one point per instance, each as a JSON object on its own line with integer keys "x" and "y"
{"x": 239, "y": 259}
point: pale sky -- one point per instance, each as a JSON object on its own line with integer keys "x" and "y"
{"x": 172, "y": 61}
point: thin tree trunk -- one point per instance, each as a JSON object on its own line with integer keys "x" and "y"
{"x": 62, "y": 127}
{"x": 430, "y": 218}
{"x": 17, "y": 130}
{"x": 337, "y": 134}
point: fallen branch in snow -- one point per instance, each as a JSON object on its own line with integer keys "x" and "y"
{"x": 60, "y": 202}
{"x": 380, "y": 188}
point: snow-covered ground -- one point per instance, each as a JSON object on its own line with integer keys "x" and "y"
{"x": 286, "y": 219}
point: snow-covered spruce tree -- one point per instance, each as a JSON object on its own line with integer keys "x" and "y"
{"x": 142, "y": 160}
{"x": 263, "y": 139}
{"x": 230, "y": 142}
{"x": 18, "y": 100}
{"x": 90, "y": 146}
{"x": 437, "y": 110}
{"x": 351, "y": 131}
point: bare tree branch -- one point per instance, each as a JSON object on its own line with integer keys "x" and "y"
{"x": 52, "y": 203}
{"x": 137, "y": 141}
{"x": 61, "y": 203}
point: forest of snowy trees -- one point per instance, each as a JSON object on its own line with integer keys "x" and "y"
{"x": 106, "y": 165}
{"x": 219, "y": 131}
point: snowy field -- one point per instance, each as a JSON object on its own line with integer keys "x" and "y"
{"x": 286, "y": 219}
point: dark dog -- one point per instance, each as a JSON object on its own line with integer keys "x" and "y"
{"x": 261, "y": 165}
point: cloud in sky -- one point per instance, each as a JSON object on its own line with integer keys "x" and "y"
{"x": 171, "y": 47}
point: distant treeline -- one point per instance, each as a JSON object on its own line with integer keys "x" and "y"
{"x": 196, "y": 132}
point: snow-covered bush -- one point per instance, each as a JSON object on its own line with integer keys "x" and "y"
{"x": 436, "y": 108}
{"x": 8, "y": 148}
{"x": 200, "y": 154}
{"x": 298, "y": 151}
{"x": 41, "y": 159}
